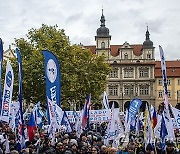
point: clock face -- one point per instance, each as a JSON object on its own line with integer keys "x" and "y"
{"x": 51, "y": 70}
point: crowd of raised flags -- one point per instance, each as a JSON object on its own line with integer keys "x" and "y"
{"x": 119, "y": 128}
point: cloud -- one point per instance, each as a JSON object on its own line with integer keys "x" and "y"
{"x": 126, "y": 20}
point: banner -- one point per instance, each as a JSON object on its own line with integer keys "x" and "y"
{"x": 7, "y": 94}
{"x": 95, "y": 116}
{"x": 1, "y": 60}
{"x": 167, "y": 117}
{"x": 133, "y": 108}
{"x": 21, "y": 136}
{"x": 164, "y": 76}
{"x": 53, "y": 77}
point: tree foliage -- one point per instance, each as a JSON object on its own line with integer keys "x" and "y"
{"x": 82, "y": 72}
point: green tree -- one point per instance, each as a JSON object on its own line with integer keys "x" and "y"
{"x": 82, "y": 72}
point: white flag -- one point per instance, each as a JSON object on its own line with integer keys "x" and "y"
{"x": 105, "y": 101}
{"x": 7, "y": 94}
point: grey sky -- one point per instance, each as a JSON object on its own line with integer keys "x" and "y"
{"x": 126, "y": 20}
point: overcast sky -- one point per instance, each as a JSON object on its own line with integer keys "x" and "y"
{"x": 126, "y": 20}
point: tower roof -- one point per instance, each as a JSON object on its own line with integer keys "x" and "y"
{"x": 103, "y": 31}
{"x": 147, "y": 43}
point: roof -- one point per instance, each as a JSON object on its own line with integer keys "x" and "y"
{"x": 172, "y": 69}
{"x": 114, "y": 49}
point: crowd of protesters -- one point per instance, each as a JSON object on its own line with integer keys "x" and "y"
{"x": 90, "y": 142}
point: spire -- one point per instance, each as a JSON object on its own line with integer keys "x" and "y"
{"x": 147, "y": 34}
{"x": 102, "y": 19}
{"x": 147, "y": 43}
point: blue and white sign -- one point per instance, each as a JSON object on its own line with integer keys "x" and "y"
{"x": 53, "y": 77}
{"x": 133, "y": 108}
{"x": 7, "y": 94}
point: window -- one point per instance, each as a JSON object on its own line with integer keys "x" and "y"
{"x": 125, "y": 56}
{"x": 168, "y": 82}
{"x": 148, "y": 56}
{"x": 113, "y": 90}
{"x": 178, "y": 93}
{"x": 114, "y": 73}
{"x": 128, "y": 73}
{"x": 103, "y": 45}
{"x": 160, "y": 82}
{"x": 129, "y": 90}
{"x": 160, "y": 94}
{"x": 144, "y": 90}
{"x": 144, "y": 73}
{"x": 178, "y": 81}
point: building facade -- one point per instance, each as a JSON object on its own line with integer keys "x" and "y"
{"x": 133, "y": 67}
{"x": 173, "y": 82}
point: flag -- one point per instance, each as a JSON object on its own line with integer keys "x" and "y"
{"x": 111, "y": 128}
{"x": 38, "y": 115}
{"x": 1, "y": 60}
{"x": 167, "y": 117}
{"x": 133, "y": 109}
{"x": 21, "y": 137}
{"x": 148, "y": 131}
{"x": 164, "y": 76}
{"x": 105, "y": 101}
{"x": 154, "y": 116}
{"x": 66, "y": 123}
{"x": 78, "y": 125}
{"x": 85, "y": 114}
{"x": 176, "y": 113}
{"x": 163, "y": 132}
{"x": 158, "y": 126}
{"x": 31, "y": 127}
{"x": 7, "y": 94}
{"x": 55, "y": 114}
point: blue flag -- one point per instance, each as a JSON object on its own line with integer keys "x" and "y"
{"x": 1, "y": 60}
{"x": 65, "y": 122}
{"x": 21, "y": 136}
{"x": 163, "y": 131}
{"x": 133, "y": 108}
{"x": 53, "y": 77}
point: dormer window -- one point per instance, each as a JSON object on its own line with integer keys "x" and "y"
{"x": 103, "y": 45}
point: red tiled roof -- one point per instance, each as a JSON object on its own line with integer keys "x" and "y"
{"x": 137, "y": 49}
{"x": 114, "y": 49}
{"x": 172, "y": 69}
{"x": 92, "y": 48}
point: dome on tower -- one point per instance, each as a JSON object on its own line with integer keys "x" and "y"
{"x": 147, "y": 43}
{"x": 103, "y": 31}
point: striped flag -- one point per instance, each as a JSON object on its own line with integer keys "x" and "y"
{"x": 85, "y": 114}
{"x": 31, "y": 127}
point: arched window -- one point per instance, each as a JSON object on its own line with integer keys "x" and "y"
{"x": 103, "y": 45}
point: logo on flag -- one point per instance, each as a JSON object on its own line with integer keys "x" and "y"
{"x": 51, "y": 70}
